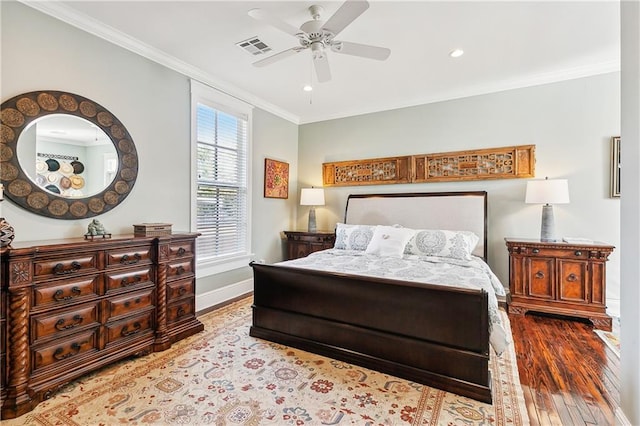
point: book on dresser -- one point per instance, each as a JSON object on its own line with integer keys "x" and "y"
{"x": 72, "y": 306}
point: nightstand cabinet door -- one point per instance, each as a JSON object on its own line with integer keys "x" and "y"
{"x": 573, "y": 281}
{"x": 541, "y": 278}
{"x": 559, "y": 278}
{"x": 301, "y": 244}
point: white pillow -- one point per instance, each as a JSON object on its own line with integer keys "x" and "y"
{"x": 389, "y": 241}
{"x": 353, "y": 237}
{"x": 442, "y": 243}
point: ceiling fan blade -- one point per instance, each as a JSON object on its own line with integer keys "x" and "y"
{"x": 278, "y": 56}
{"x": 321, "y": 64}
{"x": 345, "y": 15}
{"x": 262, "y": 15}
{"x": 363, "y": 50}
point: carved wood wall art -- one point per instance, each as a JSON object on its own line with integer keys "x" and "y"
{"x": 375, "y": 171}
{"x": 480, "y": 164}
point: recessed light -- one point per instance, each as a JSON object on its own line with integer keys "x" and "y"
{"x": 456, "y": 53}
{"x": 307, "y": 88}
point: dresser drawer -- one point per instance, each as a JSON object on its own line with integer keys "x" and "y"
{"x": 554, "y": 252}
{"x": 130, "y": 328}
{"x": 63, "y": 322}
{"x": 66, "y": 292}
{"x": 132, "y": 277}
{"x": 181, "y": 310}
{"x": 179, "y": 250}
{"x": 64, "y": 351}
{"x": 129, "y": 256}
{"x": 180, "y": 269}
{"x": 178, "y": 289}
{"x": 128, "y": 303}
{"x": 66, "y": 266}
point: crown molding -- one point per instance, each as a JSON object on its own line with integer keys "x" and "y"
{"x": 90, "y": 25}
{"x": 534, "y": 80}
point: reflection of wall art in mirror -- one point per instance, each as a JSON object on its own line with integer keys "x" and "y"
{"x": 27, "y": 186}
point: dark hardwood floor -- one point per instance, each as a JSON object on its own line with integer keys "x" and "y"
{"x": 569, "y": 376}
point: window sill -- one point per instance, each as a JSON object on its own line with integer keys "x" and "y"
{"x": 218, "y": 266}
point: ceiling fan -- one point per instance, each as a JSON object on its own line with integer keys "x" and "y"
{"x": 318, "y": 35}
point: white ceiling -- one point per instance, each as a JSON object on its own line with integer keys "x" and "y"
{"x": 507, "y": 44}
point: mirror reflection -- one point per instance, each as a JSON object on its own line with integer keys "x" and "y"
{"x": 67, "y": 156}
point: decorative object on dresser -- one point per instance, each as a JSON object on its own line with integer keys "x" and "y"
{"x": 301, "y": 244}
{"x": 559, "y": 278}
{"x": 151, "y": 229}
{"x": 312, "y": 197}
{"x": 7, "y": 233}
{"x": 73, "y": 306}
{"x": 90, "y": 130}
{"x": 547, "y": 192}
{"x": 276, "y": 179}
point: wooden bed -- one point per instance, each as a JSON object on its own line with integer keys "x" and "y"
{"x": 433, "y": 335}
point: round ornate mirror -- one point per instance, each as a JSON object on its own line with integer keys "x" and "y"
{"x": 64, "y": 156}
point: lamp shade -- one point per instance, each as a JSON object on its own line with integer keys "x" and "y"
{"x": 547, "y": 191}
{"x": 312, "y": 197}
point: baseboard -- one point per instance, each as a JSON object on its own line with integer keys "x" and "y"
{"x": 221, "y": 295}
{"x": 621, "y": 419}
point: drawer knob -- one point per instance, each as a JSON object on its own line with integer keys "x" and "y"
{"x": 180, "y": 270}
{"x": 130, "y": 260}
{"x": 59, "y": 294}
{"x": 578, "y": 253}
{"x": 572, "y": 278}
{"x": 181, "y": 251}
{"x": 60, "y": 324}
{"x": 59, "y": 268}
{"x": 181, "y": 291}
{"x": 539, "y": 274}
{"x": 126, "y": 332}
{"x": 536, "y": 250}
{"x": 181, "y": 312}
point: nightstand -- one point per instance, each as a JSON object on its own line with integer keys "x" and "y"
{"x": 559, "y": 278}
{"x": 301, "y": 243}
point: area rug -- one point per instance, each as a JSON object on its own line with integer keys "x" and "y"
{"x": 222, "y": 376}
{"x": 611, "y": 338}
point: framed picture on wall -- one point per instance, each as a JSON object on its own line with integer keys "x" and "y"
{"x": 276, "y": 179}
{"x": 615, "y": 166}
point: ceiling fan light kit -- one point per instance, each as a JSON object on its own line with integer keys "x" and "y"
{"x": 317, "y": 35}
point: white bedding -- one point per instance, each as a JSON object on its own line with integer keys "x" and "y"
{"x": 473, "y": 274}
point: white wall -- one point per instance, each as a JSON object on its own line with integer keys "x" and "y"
{"x": 153, "y": 103}
{"x": 570, "y": 123}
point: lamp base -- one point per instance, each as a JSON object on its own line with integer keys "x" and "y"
{"x": 312, "y": 220}
{"x": 547, "y": 228}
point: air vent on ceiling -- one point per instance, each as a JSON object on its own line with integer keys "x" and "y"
{"x": 254, "y": 45}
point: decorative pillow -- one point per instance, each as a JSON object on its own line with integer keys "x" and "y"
{"x": 353, "y": 237}
{"x": 389, "y": 241}
{"x": 442, "y": 243}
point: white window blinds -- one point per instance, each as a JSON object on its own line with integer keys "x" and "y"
{"x": 222, "y": 197}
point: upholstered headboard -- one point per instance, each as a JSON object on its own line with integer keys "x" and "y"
{"x": 456, "y": 211}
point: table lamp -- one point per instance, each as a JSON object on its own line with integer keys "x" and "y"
{"x": 312, "y": 197}
{"x": 547, "y": 192}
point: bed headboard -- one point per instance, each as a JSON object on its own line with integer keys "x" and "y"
{"x": 459, "y": 211}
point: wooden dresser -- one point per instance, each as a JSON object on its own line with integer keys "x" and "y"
{"x": 559, "y": 278}
{"x": 301, "y": 243}
{"x": 72, "y": 306}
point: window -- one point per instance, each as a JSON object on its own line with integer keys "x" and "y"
{"x": 220, "y": 147}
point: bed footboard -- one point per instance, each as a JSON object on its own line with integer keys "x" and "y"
{"x": 433, "y": 335}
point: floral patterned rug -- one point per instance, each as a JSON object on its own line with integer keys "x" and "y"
{"x": 222, "y": 376}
